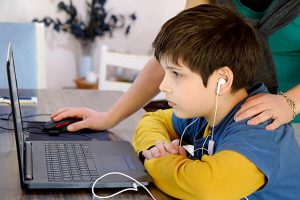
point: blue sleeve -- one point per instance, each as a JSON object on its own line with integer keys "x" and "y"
{"x": 180, "y": 124}
{"x": 260, "y": 146}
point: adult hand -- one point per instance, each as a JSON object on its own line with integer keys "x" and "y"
{"x": 164, "y": 148}
{"x": 90, "y": 119}
{"x": 264, "y": 107}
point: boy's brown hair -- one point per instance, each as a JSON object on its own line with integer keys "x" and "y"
{"x": 208, "y": 37}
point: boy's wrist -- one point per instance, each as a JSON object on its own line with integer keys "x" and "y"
{"x": 142, "y": 157}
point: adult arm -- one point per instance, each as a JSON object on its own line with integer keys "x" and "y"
{"x": 145, "y": 87}
{"x": 194, "y": 3}
{"x": 266, "y": 106}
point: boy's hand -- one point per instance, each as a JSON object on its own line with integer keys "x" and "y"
{"x": 161, "y": 149}
{"x": 90, "y": 118}
{"x": 264, "y": 107}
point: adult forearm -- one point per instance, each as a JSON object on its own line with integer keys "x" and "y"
{"x": 194, "y": 3}
{"x": 144, "y": 88}
{"x": 294, "y": 94}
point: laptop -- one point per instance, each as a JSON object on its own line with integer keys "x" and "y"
{"x": 70, "y": 164}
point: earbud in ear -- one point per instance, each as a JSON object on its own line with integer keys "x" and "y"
{"x": 221, "y": 81}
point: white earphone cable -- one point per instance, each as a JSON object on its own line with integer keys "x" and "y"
{"x": 186, "y": 129}
{"x": 204, "y": 144}
{"x": 200, "y": 148}
{"x": 134, "y": 188}
{"x": 213, "y": 125}
{"x": 215, "y": 115}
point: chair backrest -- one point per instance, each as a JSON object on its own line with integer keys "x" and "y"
{"x": 118, "y": 61}
{"x": 123, "y": 61}
{"x": 28, "y": 42}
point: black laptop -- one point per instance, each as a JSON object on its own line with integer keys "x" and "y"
{"x": 70, "y": 164}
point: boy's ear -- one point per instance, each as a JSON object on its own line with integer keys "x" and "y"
{"x": 224, "y": 87}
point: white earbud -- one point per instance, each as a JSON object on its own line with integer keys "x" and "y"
{"x": 221, "y": 81}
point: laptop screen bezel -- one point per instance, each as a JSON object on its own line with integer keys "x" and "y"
{"x": 16, "y": 109}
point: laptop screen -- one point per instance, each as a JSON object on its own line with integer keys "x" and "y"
{"x": 15, "y": 105}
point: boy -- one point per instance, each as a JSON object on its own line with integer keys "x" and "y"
{"x": 209, "y": 55}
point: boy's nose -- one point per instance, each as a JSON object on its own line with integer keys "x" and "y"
{"x": 164, "y": 86}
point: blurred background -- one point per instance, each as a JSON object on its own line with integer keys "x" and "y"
{"x": 62, "y": 51}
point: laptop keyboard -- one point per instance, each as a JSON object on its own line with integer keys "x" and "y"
{"x": 70, "y": 163}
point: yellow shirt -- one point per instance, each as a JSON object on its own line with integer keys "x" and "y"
{"x": 225, "y": 175}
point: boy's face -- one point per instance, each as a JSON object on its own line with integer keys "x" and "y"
{"x": 185, "y": 91}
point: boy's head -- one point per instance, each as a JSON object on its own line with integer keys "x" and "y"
{"x": 208, "y": 37}
{"x": 197, "y": 48}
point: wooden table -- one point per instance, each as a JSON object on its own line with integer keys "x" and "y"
{"x": 48, "y": 102}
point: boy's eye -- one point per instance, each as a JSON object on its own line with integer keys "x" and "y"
{"x": 176, "y": 74}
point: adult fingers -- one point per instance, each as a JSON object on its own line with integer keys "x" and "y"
{"x": 58, "y": 112}
{"x": 252, "y": 111}
{"x": 78, "y": 125}
{"x": 70, "y": 112}
{"x": 264, "y": 116}
{"x": 275, "y": 124}
{"x": 250, "y": 102}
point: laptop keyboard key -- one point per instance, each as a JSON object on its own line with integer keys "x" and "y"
{"x": 91, "y": 164}
{"x": 86, "y": 178}
{"x": 76, "y": 178}
{"x": 69, "y": 162}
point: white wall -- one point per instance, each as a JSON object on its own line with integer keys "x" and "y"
{"x": 62, "y": 49}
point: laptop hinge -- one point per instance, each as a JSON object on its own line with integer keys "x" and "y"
{"x": 28, "y": 161}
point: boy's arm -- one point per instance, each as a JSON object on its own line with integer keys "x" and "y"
{"x": 152, "y": 127}
{"x": 225, "y": 175}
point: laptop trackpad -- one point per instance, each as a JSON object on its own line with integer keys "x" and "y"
{"x": 116, "y": 163}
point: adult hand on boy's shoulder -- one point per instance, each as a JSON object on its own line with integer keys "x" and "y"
{"x": 164, "y": 148}
{"x": 264, "y": 107}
